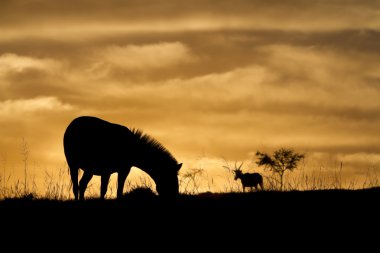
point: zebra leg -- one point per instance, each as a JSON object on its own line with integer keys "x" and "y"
{"x": 83, "y": 184}
{"x": 104, "y": 185}
{"x": 121, "y": 176}
{"x": 74, "y": 179}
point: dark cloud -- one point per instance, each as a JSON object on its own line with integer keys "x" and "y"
{"x": 219, "y": 51}
{"x": 133, "y": 9}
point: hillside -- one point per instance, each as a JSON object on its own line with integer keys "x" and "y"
{"x": 143, "y": 201}
{"x": 209, "y": 218}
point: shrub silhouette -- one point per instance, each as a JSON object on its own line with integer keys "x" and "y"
{"x": 281, "y": 161}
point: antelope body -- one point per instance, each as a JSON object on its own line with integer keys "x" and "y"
{"x": 249, "y": 179}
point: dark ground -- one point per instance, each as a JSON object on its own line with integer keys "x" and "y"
{"x": 319, "y": 216}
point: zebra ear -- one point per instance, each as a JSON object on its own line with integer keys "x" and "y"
{"x": 179, "y": 166}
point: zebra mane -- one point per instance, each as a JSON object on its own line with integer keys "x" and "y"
{"x": 152, "y": 146}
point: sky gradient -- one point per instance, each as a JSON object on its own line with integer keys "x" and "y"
{"x": 208, "y": 79}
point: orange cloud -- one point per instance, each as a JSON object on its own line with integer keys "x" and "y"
{"x": 19, "y": 107}
{"x": 10, "y": 63}
{"x": 160, "y": 55}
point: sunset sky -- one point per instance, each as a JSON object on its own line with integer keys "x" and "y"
{"x": 208, "y": 79}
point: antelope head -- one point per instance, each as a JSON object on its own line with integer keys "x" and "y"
{"x": 237, "y": 171}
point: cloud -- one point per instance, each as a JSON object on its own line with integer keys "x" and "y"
{"x": 13, "y": 63}
{"x": 295, "y": 98}
{"x": 23, "y": 76}
{"x": 142, "y": 57}
{"x": 38, "y": 104}
{"x": 95, "y": 19}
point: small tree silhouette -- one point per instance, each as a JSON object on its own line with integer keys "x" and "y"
{"x": 281, "y": 161}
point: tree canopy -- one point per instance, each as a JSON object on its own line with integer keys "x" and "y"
{"x": 282, "y": 160}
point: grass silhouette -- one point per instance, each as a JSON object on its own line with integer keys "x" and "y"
{"x": 320, "y": 197}
{"x": 57, "y": 186}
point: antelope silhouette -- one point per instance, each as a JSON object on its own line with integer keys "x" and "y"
{"x": 248, "y": 179}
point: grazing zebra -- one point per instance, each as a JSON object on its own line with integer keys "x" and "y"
{"x": 101, "y": 148}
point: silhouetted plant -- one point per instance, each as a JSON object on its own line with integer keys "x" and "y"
{"x": 282, "y": 160}
{"x": 139, "y": 183}
{"x": 3, "y": 163}
{"x": 232, "y": 184}
{"x": 57, "y": 187}
{"x": 371, "y": 178}
{"x": 191, "y": 178}
{"x": 25, "y": 157}
{"x": 140, "y": 193}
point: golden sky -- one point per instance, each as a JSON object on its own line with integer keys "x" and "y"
{"x": 208, "y": 79}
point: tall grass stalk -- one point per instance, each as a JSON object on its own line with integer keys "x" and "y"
{"x": 25, "y": 157}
